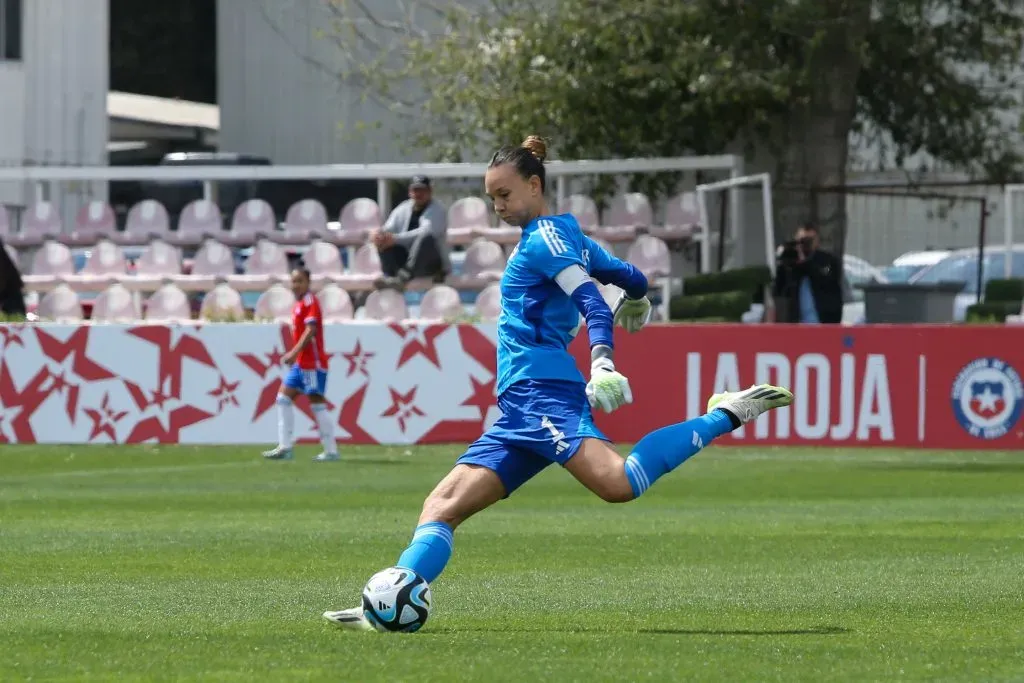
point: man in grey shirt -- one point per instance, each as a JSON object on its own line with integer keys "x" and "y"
{"x": 413, "y": 242}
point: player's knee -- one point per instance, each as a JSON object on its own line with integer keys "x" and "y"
{"x": 614, "y": 489}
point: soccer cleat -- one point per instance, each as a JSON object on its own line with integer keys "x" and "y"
{"x": 327, "y": 457}
{"x": 279, "y": 453}
{"x": 349, "y": 619}
{"x": 748, "y": 404}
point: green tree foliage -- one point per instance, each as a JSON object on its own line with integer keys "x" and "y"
{"x": 630, "y": 78}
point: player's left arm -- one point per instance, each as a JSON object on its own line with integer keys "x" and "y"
{"x": 555, "y": 254}
{"x": 632, "y": 310}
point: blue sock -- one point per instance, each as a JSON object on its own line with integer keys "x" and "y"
{"x": 429, "y": 550}
{"x": 667, "y": 448}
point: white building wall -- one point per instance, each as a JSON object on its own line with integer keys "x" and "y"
{"x": 12, "y": 124}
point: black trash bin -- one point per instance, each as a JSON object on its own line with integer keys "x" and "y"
{"x": 894, "y": 303}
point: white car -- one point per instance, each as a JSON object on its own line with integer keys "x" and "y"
{"x": 907, "y": 266}
{"x": 962, "y": 266}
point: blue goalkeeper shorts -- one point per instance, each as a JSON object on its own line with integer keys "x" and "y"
{"x": 542, "y": 422}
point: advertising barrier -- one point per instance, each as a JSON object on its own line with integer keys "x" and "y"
{"x": 954, "y": 387}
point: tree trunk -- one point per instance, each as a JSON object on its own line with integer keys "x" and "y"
{"x": 816, "y": 135}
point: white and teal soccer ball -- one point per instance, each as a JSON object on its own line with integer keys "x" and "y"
{"x": 396, "y": 600}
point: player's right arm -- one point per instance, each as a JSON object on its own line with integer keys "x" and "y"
{"x": 632, "y": 310}
{"x": 555, "y": 252}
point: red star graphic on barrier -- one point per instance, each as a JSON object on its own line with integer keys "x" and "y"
{"x": 482, "y": 397}
{"x": 224, "y": 392}
{"x": 20, "y": 406}
{"x": 358, "y": 360}
{"x": 72, "y": 355}
{"x": 104, "y": 419}
{"x": 348, "y": 418}
{"x": 402, "y": 407}
{"x": 11, "y": 335}
{"x": 479, "y": 347}
{"x": 268, "y": 395}
{"x": 175, "y": 345}
{"x": 419, "y": 340}
{"x": 152, "y": 427}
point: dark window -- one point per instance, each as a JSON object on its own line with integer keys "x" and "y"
{"x": 10, "y": 29}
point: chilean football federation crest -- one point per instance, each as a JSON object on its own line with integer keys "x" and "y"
{"x": 988, "y": 398}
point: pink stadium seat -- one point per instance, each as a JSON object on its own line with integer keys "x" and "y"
{"x": 52, "y": 260}
{"x": 583, "y": 208}
{"x": 168, "y": 304}
{"x": 253, "y": 220}
{"x": 200, "y": 220}
{"x": 323, "y": 260}
{"x": 385, "y": 305}
{"x": 115, "y": 304}
{"x": 466, "y": 218}
{"x": 626, "y": 215}
{"x": 275, "y": 304}
{"x": 93, "y": 222}
{"x": 441, "y": 303}
{"x": 484, "y": 264}
{"x": 105, "y": 259}
{"x": 488, "y": 302}
{"x": 357, "y": 219}
{"x": 146, "y": 221}
{"x": 365, "y": 269}
{"x": 305, "y": 221}
{"x": 212, "y": 262}
{"x": 651, "y": 256}
{"x": 268, "y": 264}
{"x": 60, "y": 305}
{"x": 335, "y": 304}
{"x": 682, "y": 218}
{"x": 39, "y": 223}
{"x": 160, "y": 261}
{"x": 222, "y": 303}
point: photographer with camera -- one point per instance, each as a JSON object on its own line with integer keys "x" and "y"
{"x": 808, "y": 285}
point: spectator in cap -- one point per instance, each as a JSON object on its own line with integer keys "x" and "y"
{"x": 413, "y": 242}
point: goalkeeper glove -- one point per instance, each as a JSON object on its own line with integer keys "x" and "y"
{"x": 631, "y": 314}
{"x": 607, "y": 388}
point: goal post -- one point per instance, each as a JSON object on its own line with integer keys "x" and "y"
{"x": 762, "y": 179}
{"x": 1008, "y": 221}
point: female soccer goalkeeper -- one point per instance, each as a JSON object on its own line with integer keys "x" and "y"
{"x": 544, "y": 400}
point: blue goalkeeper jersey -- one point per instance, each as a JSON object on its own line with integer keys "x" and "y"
{"x": 538, "y": 319}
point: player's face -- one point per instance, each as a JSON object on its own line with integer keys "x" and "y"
{"x": 516, "y": 201}
{"x": 300, "y": 285}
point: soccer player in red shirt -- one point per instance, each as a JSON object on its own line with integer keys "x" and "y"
{"x": 307, "y": 375}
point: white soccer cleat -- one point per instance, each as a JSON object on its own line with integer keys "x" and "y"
{"x": 327, "y": 457}
{"x": 278, "y": 453}
{"x": 748, "y": 404}
{"x": 349, "y": 619}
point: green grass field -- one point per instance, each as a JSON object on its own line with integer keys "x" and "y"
{"x": 128, "y": 564}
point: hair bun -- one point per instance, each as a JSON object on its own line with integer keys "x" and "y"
{"x": 537, "y": 146}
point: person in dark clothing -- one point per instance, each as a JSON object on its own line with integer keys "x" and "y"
{"x": 12, "y": 297}
{"x": 808, "y": 285}
{"x": 413, "y": 241}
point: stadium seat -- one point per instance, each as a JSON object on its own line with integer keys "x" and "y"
{"x": 212, "y": 262}
{"x": 357, "y": 219}
{"x": 651, "y": 256}
{"x": 253, "y": 220}
{"x": 13, "y": 253}
{"x": 335, "y": 304}
{"x": 503, "y": 234}
{"x": 365, "y": 269}
{"x": 305, "y": 221}
{"x": 267, "y": 265}
{"x": 275, "y": 305}
{"x": 159, "y": 262}
{"x": 168, "y": 304}
{"x": 93, "y": 222}
{"x": 60, "y": 305}
{"x": 115, "y": 304}
{"x": 222, "y": 303}
{"x": 488, "y": 302}
{"x": 147, "y": 220}
{"x": 51, "y": 264}
{"x": 323, "y": 260}
{"x": 466, "y": 218}
{"x": 583, "y": 208}
{"x": 484, "y": 263}
{"x": 200, "y": 220}
{"x": 385, "y": 305}
{"x": 104, "y": 266}
{"x": 682, "y": 218}
{"x": 626, "y": 215}
{"x": 39, "y": 223}
{"x": 441, "y": 303}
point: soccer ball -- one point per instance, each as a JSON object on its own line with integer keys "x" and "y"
{"x": 396, "y": 600}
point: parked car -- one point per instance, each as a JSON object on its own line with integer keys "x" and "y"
{"x": 962, "y": 266}
{"x": 908, "y": 265}
{"x": 857, "y": 271}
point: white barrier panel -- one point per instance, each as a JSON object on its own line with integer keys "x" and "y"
{"x": 217, "y": 383}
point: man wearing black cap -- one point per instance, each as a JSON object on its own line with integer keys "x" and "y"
{"x": 413, "y": 242}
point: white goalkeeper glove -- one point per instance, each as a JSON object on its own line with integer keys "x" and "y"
{"x": 631, "y": 314}
{"x": 607, "y": 388}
